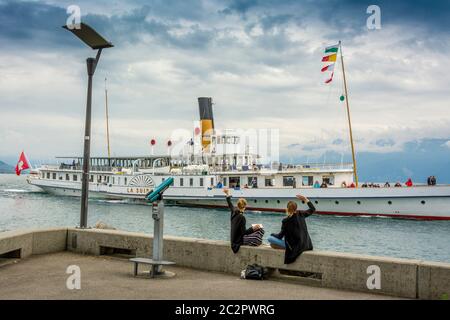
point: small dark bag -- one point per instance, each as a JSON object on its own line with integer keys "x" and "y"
{"x": 256, "y": 272}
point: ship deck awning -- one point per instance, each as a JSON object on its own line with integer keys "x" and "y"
{"x": 130, "y": 161}
{"x": 119, "y": 158}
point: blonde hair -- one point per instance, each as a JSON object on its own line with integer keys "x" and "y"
{"x": 291, "y": 208}
{"x": 241, "y": 204}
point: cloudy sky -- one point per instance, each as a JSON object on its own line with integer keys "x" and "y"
{"x": 259, "y": 60}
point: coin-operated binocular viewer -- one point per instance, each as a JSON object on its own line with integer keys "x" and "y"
{"x": 156, "y": 198}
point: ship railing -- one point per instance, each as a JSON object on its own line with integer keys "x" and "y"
{"x": 316, "y": 166}
{"x": 281, "y": 168}
{"x": 79, "y": 167}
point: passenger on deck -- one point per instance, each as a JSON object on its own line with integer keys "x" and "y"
{"x": 294, "y": 235}
{"x": 316, "y": 185}
{"x": 431, "y": 181}
{"x": 219, "y": 185}
{"x": 324, "y": 185}
{"x": 397, "y": 184}
{"x": 352, "y": 185}
{"x": 343, "y": 184}
{"x": 409, "y": 183}
{"x": 240, "y": 235}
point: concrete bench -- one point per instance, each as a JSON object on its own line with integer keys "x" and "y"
{"x": 154, "y": 263}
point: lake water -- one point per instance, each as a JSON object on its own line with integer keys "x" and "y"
{"x": 24, "y": 206}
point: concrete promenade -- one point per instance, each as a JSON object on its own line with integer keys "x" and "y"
{"x": 207, "y": 263}
{"x": 44, "y": 277}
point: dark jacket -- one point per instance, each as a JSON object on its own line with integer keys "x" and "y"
{"x": 238, "y": 229}
{"x": 295, "y": 234}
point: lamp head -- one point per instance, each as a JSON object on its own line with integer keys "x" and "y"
{"x": 90, "y": 37}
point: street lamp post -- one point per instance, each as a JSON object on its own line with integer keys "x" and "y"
{"x": 94, "y": 40}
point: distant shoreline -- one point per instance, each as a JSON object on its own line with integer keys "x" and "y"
{"x": 6, "y": 168}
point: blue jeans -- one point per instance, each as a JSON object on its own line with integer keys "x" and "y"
{"x": 276, "y": 241}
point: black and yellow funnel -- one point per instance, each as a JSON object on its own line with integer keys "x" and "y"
{"x": 206, "y": 120}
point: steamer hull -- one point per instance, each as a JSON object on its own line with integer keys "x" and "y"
{"x": 420, "y": 202}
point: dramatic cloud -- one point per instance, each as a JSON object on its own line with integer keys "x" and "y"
{"x": 259, "y": 60}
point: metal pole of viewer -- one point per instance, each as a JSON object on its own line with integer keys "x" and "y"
{"x": 158, "y": 232}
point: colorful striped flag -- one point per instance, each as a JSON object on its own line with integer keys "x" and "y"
{"x": 330, "y": 79}
{"x": 329, "y": 67}
{"x": 332, "y": 49}
{"x": 331, "y": 58}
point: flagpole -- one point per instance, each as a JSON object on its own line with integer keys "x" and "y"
{"x": 355, "y": 172}
{"x": 107, "y": 120}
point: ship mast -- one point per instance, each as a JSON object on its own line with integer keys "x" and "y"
{"x": 355, "y": 172}
{"x": 107, "y": 121}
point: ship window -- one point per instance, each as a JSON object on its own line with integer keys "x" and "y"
{"x": 278, "y": 201}
{"x": 329, "y": 180}
{"x": 191, "y": 182}
{"x": 201, "y": 182}
{"x": 288, "y": 181}
{"x": 67, "y": 177}
{"x": 337, "y": 202}
{"x": 113, "y": 180}
{"x": 181, "y": 182}
{"x": 269, "y": 182}
{"x": 54, "y": 175}
{"x": 358, "y": 202}
{"x": 60, "y": 177}
{"x": 253, "y": 182}
{"x": 118, "y": 180}
{"x": 389, "y": 202}
{"x": 235, "y": 182}
{"x": 91, "y": 178}
{"x": 422, "y": 202}
{"x": 317, "y": 202}
{"x": 225, "y": 181}
{"x": 75, "y": 177}
{"x": 256, "y": 201}
{"x": 267, "y": 201}
{"x": 212, "y": 181}
{"x": 307, "y": 180}
{"x": 125, "y": 181}
{"x": 99, "y": 179}
{"x": 48, "y": 175}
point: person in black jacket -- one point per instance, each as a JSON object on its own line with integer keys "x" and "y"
{"x": 240, "y": 235}
{"x": 294, "y": 231}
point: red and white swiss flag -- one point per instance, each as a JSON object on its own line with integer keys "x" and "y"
{"x": 22, "y": 164}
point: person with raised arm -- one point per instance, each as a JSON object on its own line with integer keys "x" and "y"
{"x": 239, "y": 234}
{"x": 293, "y": 237}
